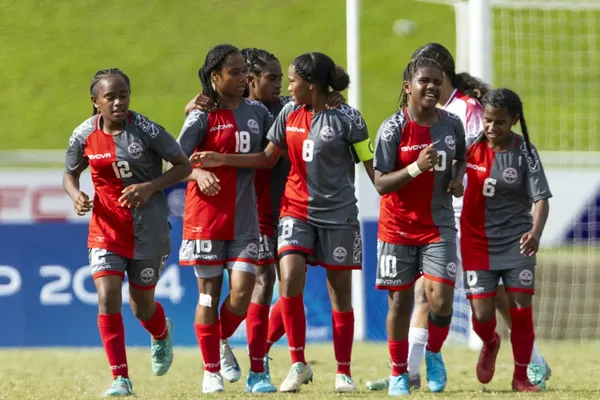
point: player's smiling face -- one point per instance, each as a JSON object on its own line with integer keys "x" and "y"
{"x": 267, "y": 86}
{"x": 112, "y": 98}
{"x": 231, "y": 80}
{"x": 299, "y": 88}
{"x": 497, "y": 125}
{"x": 424, "y": 87}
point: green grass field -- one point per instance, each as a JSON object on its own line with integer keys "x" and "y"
{"x": 83, "y": 374}
{"x": 50, "y": 51}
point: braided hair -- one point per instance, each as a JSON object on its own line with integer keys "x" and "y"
{"x": 214, "y": 61}
{"x": 255, "y": 62}
{"x": 469, "y": 85}
{"x": 509, "y": 100}
{"x": 320, "y": 69}
{"x": 412, "y": 68}
{"x": 103, "y": 74}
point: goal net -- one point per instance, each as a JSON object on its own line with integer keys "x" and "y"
{"x": 549, "y": 52}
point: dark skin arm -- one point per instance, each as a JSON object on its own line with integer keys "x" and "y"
{"x": 263, "y": 159}
{"x": 390, "y": 182}
{"x": 530, "y": 242}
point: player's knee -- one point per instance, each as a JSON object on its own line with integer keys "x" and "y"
{"x": 440, "y": 303}
{"x": 263, "y": 289}
{"x": 398, "y": 303}
{"x": 483, "y": 311}
{"x": 109, "y": 300}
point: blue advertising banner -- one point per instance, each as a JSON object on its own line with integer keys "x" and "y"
{"x": 47, "y": 295}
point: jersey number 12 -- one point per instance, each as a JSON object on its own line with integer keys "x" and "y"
{"x": 122, "y": 169}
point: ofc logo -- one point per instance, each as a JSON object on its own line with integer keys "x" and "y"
{"x": 526, "y": 277}
{"x": 340, "y": 254}
{"x": 135, "y": 150}
{"x": 451, "y": 269}
{"x": 147, "y": 275}
{"x": 253, "y": 126}
{"x": 252, "y": 250}
{"x": 510, "y": 175}
{"x": 327, "y": 133}
{"x": 450, "y": 142}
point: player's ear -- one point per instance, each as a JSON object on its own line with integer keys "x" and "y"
{"x": 514, "y": 120}
{"x": 96, "y": 103}
{"x": 406, "y": 87}
{"x": 312, "y": 86}
{"x": 251, "y": 79}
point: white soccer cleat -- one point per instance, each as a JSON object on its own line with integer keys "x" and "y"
{"x": 300, "y": 374}
{"x": 344, "y": 384}
{"x": 212, "y": 382}
{"x": 230, "y": 369}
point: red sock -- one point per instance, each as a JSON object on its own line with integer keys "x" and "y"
{"x": 437, "y": 335}
{"x": 522, "y": 337}
{"x": 257, "y": 323}
{"x": 208, "y": 341}
{"x": 157, "y": 324}
{"x": 276, "y": 328}
{"x": 485, "y": 330}
{"x": 294, "y": 320}
{"x": 399, "y": 355}
{"x": 112, "y": 333}
{"x": 229, "y": 321}
{"x": 343, "y": 337}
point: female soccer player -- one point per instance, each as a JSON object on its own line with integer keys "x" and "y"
{"x": 461, "y": 95}
{"x": 221, "y": 230}
{"x": 318, "y": 214}
{"x": 419, "y": 164}
{"x": 499, "y": 237}
{"x": 129, "y": 230}
{"x": 264, "y": 77}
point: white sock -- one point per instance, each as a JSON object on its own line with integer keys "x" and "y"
{"x": 536, "y": 357}
{"x": 417, "y": 339}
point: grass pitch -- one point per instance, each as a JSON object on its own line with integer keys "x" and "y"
{"x": 83, "y": 374}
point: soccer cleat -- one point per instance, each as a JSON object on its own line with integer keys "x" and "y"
{"x": 230, "y": 369}
{"x": 523, "y": 385}
{"x": 436, "y": 371}
{"x": 121, "y": 386}
{"x": 486, "y": 365}
{"x": 378, "y": 384}
{"x": 212, "y": 382}
{"x": 162, "y": 352}
{"x": 344, "y": 384}
{"x": 415, "y": 381}
{"x": 259, "y": 382}
{"x": 399, "y": 385}
{"x": 300, "y": 374}
{"x": 266, "y": 365}
{"x": 539, "y": 373}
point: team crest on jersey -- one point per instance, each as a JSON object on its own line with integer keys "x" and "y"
{"x": 253, "y": 126}
{"x": 340, "y": 254}
{"x": 252, "y": 250}
{"x": 147, "y": 275}
{"x": 135, "y": 150}
{"x": 526, "y": 277}
{"x": 327, "y": 133}
{"x": 451, "y": 269}
{"x": 450, "y": 142}
{"x": 510, "y": 175}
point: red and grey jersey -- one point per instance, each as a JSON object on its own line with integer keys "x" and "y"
{"x": 414, "y": 214}
{"x": 498, "y": 200}
{"x": 116, "y": 161}
{"x": 320, "y": 185}
{"x": 470, "y": 112}
{"x": 232, "y": 213}
{"x": 270, "y": 183}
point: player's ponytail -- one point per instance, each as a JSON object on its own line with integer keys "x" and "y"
{"x": 102, "y": 74}
{"x": 320, "y": 69}
{"x": 214, "y": 61}
{"x": 412, "y": 68}
{"x": 506, "y": 98}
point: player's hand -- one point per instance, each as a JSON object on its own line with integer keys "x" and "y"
{"x": 208, "y": 183}
{"x": 207, "y": 159}
{"x": 334, "y": 100}
{"x": 200, "y": 102}
{"x": 530, "y": 244}
{"x": 428, "y": 157}
{"x": 456, "y": 188}
{"x": 82, "y": 204}
{"x": 135, "y": 196}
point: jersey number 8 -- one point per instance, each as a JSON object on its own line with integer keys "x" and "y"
{"x": 242, "y": 142}
{"x": 308, "y": 150}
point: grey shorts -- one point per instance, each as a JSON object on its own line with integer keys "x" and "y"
{"x": 210, "y": 258}
{"x": 483, "y": 283}
{"x": 142, "y": 274}
{"x": 399, "y": 266}
{"x": 267, "y": 250}
{"x": 339, "y": 248}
